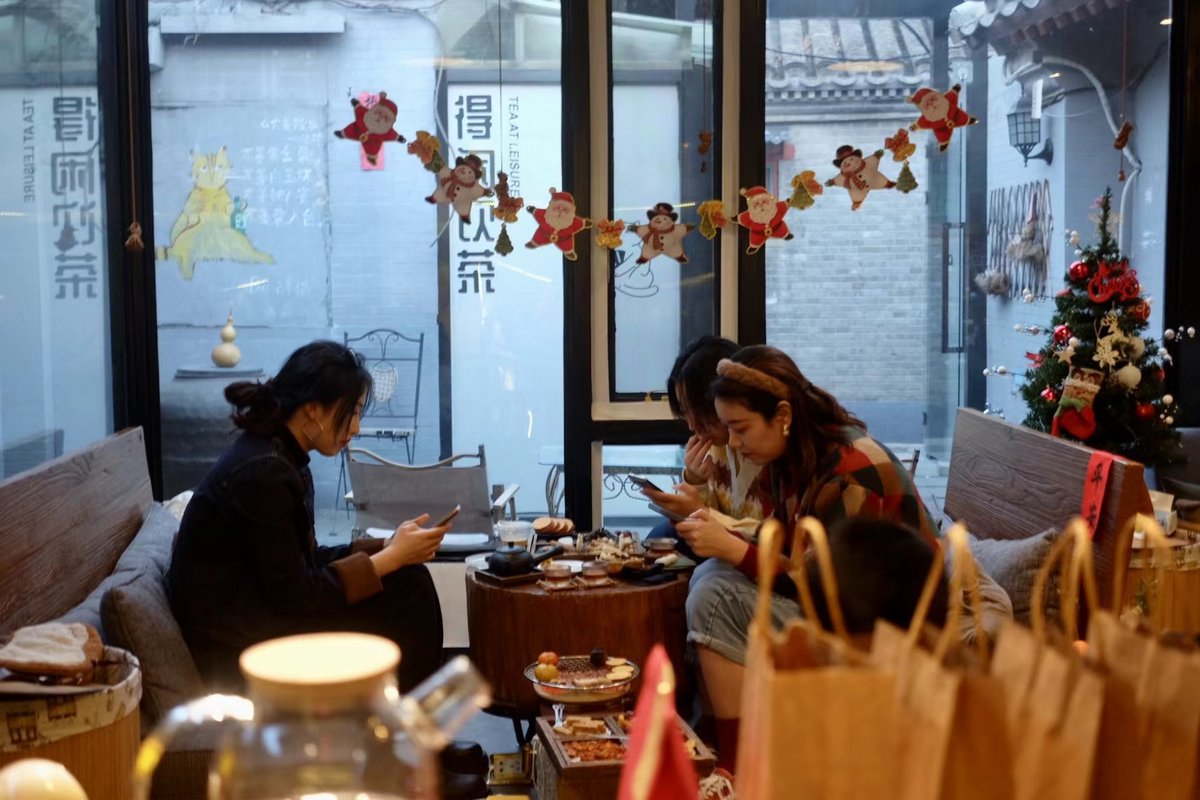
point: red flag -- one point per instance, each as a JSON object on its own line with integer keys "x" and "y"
{"x": 657, "y": 764}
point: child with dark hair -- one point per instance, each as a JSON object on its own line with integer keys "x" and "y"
{"x": 246, "y": 566}
{"x": 880, "y": 567}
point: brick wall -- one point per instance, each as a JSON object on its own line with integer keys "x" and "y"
{"x": 846, "y": 297}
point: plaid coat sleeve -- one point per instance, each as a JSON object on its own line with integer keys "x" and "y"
{"x": 866, "y": 481}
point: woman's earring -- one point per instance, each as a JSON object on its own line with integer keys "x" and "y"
{"x": 320, "y": 429}
{"x": 787, "y": 429}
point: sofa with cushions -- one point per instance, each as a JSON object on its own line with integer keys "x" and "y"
{"x": 1014, "y": 488}
{"x": 85, "y": 542}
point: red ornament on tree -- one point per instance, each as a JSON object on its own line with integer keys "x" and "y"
{"x": 1140, "y": 311}
{"x": 1062, "y": 334}
{"x": 1079, "y": 271}
{"x": 1144, "y": 411}
{"x": 1049, "y": 395}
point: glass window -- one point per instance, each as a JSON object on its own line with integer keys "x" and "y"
{"x": 898, "y": 307}
{"x": 662, "y": 279}
{"x": 55, "y": 381}
{"x": 623, "y": 505}
{"x": 263, "y": 215}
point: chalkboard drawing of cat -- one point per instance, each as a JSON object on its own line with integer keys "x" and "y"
{"x": 204, "y": 230}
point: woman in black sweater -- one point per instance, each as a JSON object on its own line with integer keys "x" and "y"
{"x": 246, "y": 566}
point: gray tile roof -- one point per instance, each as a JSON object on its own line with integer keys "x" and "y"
{"x": 806, "y": 54}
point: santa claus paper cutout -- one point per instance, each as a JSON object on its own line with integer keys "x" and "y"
{"x": 663, "y": 235}
{"x": 763, "y": 218}
{"x": 557, "y": 224}
{"x": 460, "y": 186}
{"x": 858, "y": 175}
{"x": 940, "y": 113}
{"x": 372, "y": 127}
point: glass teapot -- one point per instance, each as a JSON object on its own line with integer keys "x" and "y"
{"x": 325, "y": 720}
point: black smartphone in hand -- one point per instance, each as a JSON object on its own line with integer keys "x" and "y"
{"x": 643, "y": 483}
{"x": 453, "y": 513}
{"x": 671, "y": 515}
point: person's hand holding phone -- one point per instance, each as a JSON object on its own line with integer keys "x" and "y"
{"x": 410, "y": 544}
{"x": 697, "y": 466}
{"x": 683, "y": 502}
{"x": 709, "y": 538}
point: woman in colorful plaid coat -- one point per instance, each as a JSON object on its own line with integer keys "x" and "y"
{"x": 818, "y": 461}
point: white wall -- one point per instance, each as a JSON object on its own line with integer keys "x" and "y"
{"x": 1084, "y": 164}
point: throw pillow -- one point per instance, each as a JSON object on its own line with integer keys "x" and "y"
{"x": 151, "y": 545}
{"x": 1014, "y": 564}
{"x": 138, "y": 618}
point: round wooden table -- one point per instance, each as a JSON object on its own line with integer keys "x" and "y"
{"x": 511, "y": 625}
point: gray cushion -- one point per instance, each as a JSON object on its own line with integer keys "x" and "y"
{"x": 151, "y": 545}
{"x": 137, "y": 617}
{"x": 1014, "y": 564}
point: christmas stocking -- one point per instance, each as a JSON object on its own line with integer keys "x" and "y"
{"x": 1075, "y": 416}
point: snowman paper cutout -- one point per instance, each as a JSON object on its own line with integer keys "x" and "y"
{"x": 662, "y": 235}
{"x": 858, "y": 175}
{"x": 461, "y": 186}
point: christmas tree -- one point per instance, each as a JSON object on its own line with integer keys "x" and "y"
{"x": 1097, "y": 379}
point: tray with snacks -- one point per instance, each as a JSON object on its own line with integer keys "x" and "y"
{"x": 594, "y": 678}
{"x": 599, "y": 743}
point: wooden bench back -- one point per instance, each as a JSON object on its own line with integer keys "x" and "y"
{"x": 64, "y": 524}
{"x": 1010, "y": 482}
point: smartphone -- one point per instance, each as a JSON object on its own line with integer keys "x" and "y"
{"x": 453, "y": 513}
{"x": 671, "y": 515}
{"x": 643, "y": 483}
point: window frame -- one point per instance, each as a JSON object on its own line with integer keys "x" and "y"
{"x": 589, "y": 420}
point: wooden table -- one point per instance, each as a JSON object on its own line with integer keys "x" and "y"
{"x": 510, "y": 625}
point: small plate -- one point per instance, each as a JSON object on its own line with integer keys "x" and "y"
{"x": 576, "y": 566}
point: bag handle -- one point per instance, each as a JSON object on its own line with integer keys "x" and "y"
{"x": 811, "y": 528}
{"x": 1158, "y": 540}
{"x": 965, "y": 578}
{"x": 770, "y": 545}
{"x": 1076, "y": 568}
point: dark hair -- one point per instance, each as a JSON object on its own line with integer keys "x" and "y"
{"x": 694, "y": 372}
{"x": 881, "y": 568}
{"x": 818, "y": 419}
{"x": 321, "y": 372}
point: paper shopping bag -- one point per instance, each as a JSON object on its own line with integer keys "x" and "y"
{"x": 1054, "y": 699}
{"x": 816, "y": 717}
{"x": 950, "y": 738}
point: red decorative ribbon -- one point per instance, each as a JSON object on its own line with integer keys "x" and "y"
{"x": 1094, "y": 486}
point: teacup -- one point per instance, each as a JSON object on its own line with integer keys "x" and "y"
{"x": 556, "y": 574}
{"x": 594, "y": 572}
